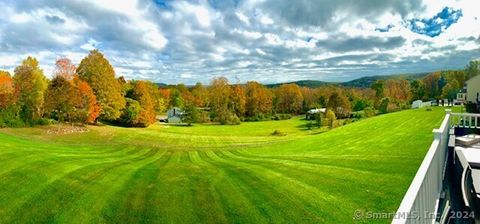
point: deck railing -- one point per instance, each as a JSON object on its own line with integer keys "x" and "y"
{"x": 420, "y": 203}
{"x": 465, "y": 120}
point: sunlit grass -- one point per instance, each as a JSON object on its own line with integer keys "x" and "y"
{"x": 211, "y": 173}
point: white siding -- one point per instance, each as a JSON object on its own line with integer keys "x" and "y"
{"x": 473, "y": 88}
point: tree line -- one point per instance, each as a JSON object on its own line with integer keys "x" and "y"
{"x": 84, "y": 94}
{"x": 90, "y": 92}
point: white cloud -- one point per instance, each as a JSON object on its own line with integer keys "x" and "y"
{"x": 90, "y": 45}
{"x": 260, "y": 51}
{"x": 265, "y": 20}
{"x": 265, "y": 40}
{"x": 243, "y": 18}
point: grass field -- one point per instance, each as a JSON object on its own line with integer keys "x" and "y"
{"x": 212, "y": 173}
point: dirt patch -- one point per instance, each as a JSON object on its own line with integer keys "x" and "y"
{"x": 66, "y": 129}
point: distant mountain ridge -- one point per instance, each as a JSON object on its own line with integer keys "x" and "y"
{"x": 367, "y": 81}
{"x": 363, "y": 82}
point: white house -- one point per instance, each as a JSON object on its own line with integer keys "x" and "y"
{"x": 174, "y": 115}
{"x": 310, "y": 113}
{"x": 417, "y": 104}
{"x": 427, "y": 104}
{"x": 461, "y": 96}
{"x": 473, "y": 89}
{"x": 420, "y": 104}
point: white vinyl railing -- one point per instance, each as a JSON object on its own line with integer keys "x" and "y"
{"x": 465, "y": 120}
{"x": 420, "y": 203}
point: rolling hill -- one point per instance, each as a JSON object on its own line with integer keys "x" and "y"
{"x": 210, "y": 173}
{"x": 363, "y": 82}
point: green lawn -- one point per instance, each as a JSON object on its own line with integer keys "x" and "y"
{"x": 212, "y": 173}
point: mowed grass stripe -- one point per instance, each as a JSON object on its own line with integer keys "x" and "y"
{"x": 211, "y": 173}
{"x": 67, "y": 181}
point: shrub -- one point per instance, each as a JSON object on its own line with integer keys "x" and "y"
{"x": 369, "y": 112}
{"x": 472, "y": 108}
{"x": 331, "y": 118}
{"x": 358, "y": 115}
{"x": 383, "y": 106}
{"x": 258, "y": 117}
{"x": 131, "y": 113}
{"x": 278, "y": 133}
{"x": 9, "y": 117}
{"x": 392, "y": 107}
{"x": 234, "y": 120}
{"x": 227, "y": 118}
{"x": 278, "y": 117}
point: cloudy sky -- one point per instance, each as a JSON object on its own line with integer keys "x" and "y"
{"x": 172, "y": 41}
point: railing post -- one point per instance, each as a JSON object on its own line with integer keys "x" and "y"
{"x": 424, "y": 192}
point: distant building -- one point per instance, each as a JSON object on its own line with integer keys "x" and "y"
{"x": 420, "y": 104}
{"x": 311, "y": 113}
{"x": 473, "y": 89}
{"x": 417, "y": 104}
{"x": 174, "y": 115}
{"x": 461, "y": 96}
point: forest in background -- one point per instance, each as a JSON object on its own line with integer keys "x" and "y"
{"x": 91, "y": 92}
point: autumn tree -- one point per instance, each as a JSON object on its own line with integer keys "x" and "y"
{"x": 140, "y": 109}
{"x": 220, "y": 94}
{"x": 258, "y": 100}
{"x": 289, "y": 99}
{"x": 418, "y": 89}
{"x": 398, "y": 89}
{"x": 238, "y": 100}
{"x": 30, "y": 85}
{"x": 65, "y": 68}
{"x": 200, "y": 95}
{"x": 379, "y": 87}
{"x": 86, "y": 105}
{"x": 68, "y": 98}
{"x": 361, "y": 98}
{"x": 9, "y": 111}
{"x": 450, "y": 90}
{"x": 309, "y": 99}
{"x": 330, "y": 118}
{"x": 96, "y": 70}
{"x": 6, "y": 89}
{"x": 58, "y": 98}
{"x": 159, "y": 102}
{"x": 339, "y": 103}
{"x": 164, "y": 94}
{"x": 432, "y": 89}
{"x": 142, "y": 93}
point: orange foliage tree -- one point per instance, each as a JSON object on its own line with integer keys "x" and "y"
{"x": 238, "y": 100}
{"x": 258, "y": 99}
{"x": 289, "y": 99}
{"x": 69, "y": 98}
{"x": 6, "y": 89}
{"x": 140, "y": 109}
{"x": 142, "y": 93}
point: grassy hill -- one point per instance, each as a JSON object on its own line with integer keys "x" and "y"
{"x": 212, "y": 173}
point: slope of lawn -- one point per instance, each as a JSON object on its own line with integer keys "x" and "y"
{"x": 212, "y": 173}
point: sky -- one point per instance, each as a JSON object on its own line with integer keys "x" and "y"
{"x": 270, "y": 41}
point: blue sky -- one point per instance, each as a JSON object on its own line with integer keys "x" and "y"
{"x": 173, "y": 41}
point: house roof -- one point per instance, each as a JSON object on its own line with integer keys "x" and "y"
{"x": 314, "y": 111}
